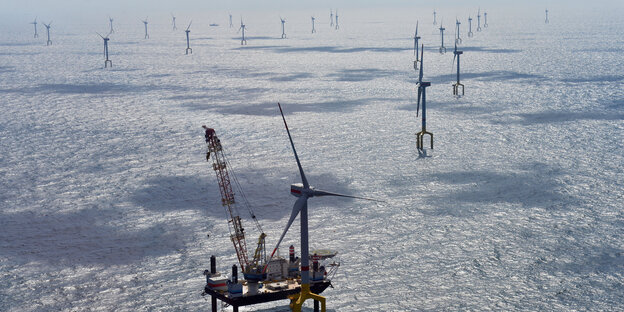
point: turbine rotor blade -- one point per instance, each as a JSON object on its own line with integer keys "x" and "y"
{"x": 418, "y": 105}
{"x": 420, "y": 72}
{"x": 325, "y": 193}
{"x": 303, "y": 177}
{"x": 299, "y": 204}
{"x": 422, "y": 51}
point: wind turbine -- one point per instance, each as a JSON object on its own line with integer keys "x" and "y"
{"x": 457, "y": 37}
{"x": 173, "y": 19}
{"x": 303, "y": 191}
{"x": 545, "y": 21}
{"x": 110, "y": 21}
{"x": 422, "y": 87}
{"x": 479, "y": 20}
{"x": 470, "y": 27}
{"x": 313, "y": 30}
{"x": 47, "y": 26}
{"x": 416, "y": 37}
{"x": 242, "y": 27}
{"x": 188, "y": 45}
{"x": 442, "y": 47}
{"x": 337, "y": 20}
{"x": 457, "y": 85}
{"x": 485, "y": 25}
{"x": 331, "y": 18}
{"x": 106, "y": 61}
{"x": 434, "y": 17}
{"x": 35, "y": 23}
{"x": 283, "y": 29}
{"x": 145, "y": 22}
{"x": 231, "y": 25}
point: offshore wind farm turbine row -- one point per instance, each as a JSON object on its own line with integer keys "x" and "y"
{"x": 333, "y": 23}
{"x": 189, "y": 50}
{"x": 457, "y": 86}
{"x": 419, "y": 67}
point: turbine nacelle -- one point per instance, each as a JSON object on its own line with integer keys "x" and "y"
{"x": 297, "y": 190}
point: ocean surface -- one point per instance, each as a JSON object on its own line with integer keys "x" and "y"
{"x": 107, "y": 201}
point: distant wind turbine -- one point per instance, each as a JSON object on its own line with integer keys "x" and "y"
{"x": 47, "y": 26}
{"x": 110, "y": 21}
{"x": 283, "y": 29}
{"x": 106, "y": 61}
{"x": 145, "y": 23}
{"x": 188, "y": 44}
{"x": 37, "y": 35}
{"x": 242, "y": 28}
{"x": 416, "y": 38}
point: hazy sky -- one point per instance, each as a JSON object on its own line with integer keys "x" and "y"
{"x": 24, "y": 6}
{"x": 18, "y": 10}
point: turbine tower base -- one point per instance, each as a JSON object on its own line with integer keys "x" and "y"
{"x": 419, "y": 139}
{"x": 456, "y": 87}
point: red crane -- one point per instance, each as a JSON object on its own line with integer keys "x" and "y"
{"x": 251, "y": 270}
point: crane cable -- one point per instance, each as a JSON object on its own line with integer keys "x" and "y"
{"x": 240, "y": 189}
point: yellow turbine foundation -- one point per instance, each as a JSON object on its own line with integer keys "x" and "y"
{"x": 296, "y": 301}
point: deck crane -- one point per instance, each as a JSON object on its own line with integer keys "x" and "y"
{"x": 252, "y": 270}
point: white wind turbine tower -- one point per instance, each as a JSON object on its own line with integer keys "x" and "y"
{"x": 283, "y": 29}
{"x": 37, "y": 35}
{"x": 110, "y": 21}
{"x": 242, "y": 28}
{"x": 416, "y": 38}
{"x": 106, "y": 61}
{"x": 303, "y": 191}
{"x": 188, "y": 44}
{"x": 47, "y": 26}
{"x": 458, "y": 84}
{"x": 442, "y": 47}
{"x": 422, "y": 98}
{"x": 145, "y": 23}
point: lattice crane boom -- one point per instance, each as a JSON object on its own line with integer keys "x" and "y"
{"x": 237, "y": 232}
{"x": 219, "y": 164}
